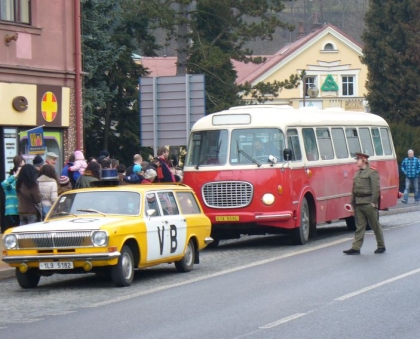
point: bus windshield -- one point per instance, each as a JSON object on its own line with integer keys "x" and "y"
{"x": 256, "y": 145}
{"x": 207, "y": 148}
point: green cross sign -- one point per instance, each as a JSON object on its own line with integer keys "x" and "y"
{"x": 329, "y": 84}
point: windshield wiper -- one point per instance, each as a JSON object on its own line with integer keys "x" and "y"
{"x": 63, "y": 213}
{"x": 215, "y": 151}
{"x": 246, "y": 155}
{"x": 91, "y": 210}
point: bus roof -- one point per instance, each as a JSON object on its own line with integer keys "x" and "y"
{"x": 271, "y": 115}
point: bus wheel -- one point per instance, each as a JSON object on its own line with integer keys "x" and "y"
{"x": 351, "y": 223}
{"x": 300, "y": 235}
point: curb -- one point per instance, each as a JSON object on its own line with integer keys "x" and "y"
{"x": 8, "y": 273}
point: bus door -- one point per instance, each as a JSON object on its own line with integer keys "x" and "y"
{"x": 297, "y": 174}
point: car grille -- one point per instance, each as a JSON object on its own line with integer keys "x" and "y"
{"x": 55, "y": 240}
{"x": 227, "y": 194}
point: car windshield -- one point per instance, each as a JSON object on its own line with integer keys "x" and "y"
{"x": 97, "y": 202}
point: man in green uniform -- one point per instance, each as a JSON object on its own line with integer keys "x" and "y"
{"x": 365, "y": 199}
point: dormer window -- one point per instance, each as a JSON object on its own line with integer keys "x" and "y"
{"x": 329, "y": 47}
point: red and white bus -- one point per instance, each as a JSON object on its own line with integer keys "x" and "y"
{"x": 265, "y": 169}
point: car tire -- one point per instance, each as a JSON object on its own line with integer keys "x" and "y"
{"x": 300, "y": 235}
{"x": 186, "y": 264}
{"x": 122, "y": 273}
{"x": 29, "y": 279}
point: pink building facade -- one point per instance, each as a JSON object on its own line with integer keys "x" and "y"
{"x": 40, "y": 85}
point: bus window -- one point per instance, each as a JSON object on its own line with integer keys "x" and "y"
{"x": 207, "y": 148}
{"x": 377, "y": 141}
{"x": 257, "y": 143}
{"x": 353, "y": 141}
{"x": 386, "y": 142}
{"x": 293, "y": 144}
{"x": 339, "y": 141}
{"x": 309, "y": 140}
{"x": 324, "y": 142}
{"x": 366, "y": 140}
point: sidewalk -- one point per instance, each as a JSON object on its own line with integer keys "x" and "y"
{"x": 7, "y": 272}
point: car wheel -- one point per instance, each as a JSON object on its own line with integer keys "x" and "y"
{"x": 122, "y": 273}
{"x": 300, "y": 235}
{"x": 29, "y": 279}
{"x": 187, "y": 262}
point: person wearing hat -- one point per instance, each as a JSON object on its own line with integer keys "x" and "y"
{"x": 64, "y": 184}
{"x": 136, "y": 177}
{"x": 38, "y": 162}
{"x": 51, "y": 159}
{"x": 365, "y": 199}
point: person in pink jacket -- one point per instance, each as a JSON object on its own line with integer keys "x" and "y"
{"x": 80, "y": 163}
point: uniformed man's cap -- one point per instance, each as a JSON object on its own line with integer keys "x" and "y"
{"x": 360, "y": 155}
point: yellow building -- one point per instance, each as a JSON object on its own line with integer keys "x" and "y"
{"x": 331, "y": 60}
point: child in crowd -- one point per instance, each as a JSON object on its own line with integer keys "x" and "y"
{"x": 64, "y": 184}
{"x": 80, "y": 163}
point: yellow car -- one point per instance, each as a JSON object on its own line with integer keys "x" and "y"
{"x": 111, "y": 230}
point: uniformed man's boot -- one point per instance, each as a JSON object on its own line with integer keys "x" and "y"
{"x": 380, "y": 250}
{"x": 351, "y": 252}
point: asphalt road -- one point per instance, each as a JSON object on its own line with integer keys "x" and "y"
{"x": 255, "y": 287}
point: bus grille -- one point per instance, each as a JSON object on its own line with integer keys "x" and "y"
{"x": 227, "y": 194}
{"x": 55, "y": 240}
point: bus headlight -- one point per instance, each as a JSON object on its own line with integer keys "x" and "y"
{"x": 100, "y": 238}
{"x": 268, "y": 199}
{"x": 10, "y": 241}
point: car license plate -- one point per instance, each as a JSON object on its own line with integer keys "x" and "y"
{"x": 228, "y": 218}
{"x": 56, "y": 265}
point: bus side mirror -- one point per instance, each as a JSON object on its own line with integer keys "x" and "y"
{"x": 287, "y": 154}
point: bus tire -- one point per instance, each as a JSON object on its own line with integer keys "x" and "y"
{"x": 300, "y": 235}
{"x": 351, "y": 223}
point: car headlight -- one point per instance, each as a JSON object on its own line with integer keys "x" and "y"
{"x": 10, "y": 241}
{"x": 100, "y": 238}
{"x": 268, "y": 199}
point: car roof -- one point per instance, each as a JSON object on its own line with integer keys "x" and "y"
{"x": 136, "y": 188}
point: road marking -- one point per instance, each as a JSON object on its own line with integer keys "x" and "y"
{"x": 217, "y": 274}
{"x": 371, "y": 287}
{"x": 282, "y": 321}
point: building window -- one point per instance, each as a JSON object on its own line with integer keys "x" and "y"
{"x": 15, "y": 11}
{"x": 329, "y": 47}
{"x": 309, "y": 82}
{"x": 348, "y": 86}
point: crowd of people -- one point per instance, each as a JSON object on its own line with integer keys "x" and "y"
{"x": 31, "y": 189}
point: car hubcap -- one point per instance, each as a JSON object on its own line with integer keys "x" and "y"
{"x": 127, "y": 266}
{"x": 188, "y": 255}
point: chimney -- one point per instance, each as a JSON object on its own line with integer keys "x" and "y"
{"x": 315, "y": 22}
{"x": 301, "y": 31}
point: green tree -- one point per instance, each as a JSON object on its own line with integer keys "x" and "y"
{"x": 210, "y": 33}
{"x": 392, "y": 55}
{"x": 111, "y": 34}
